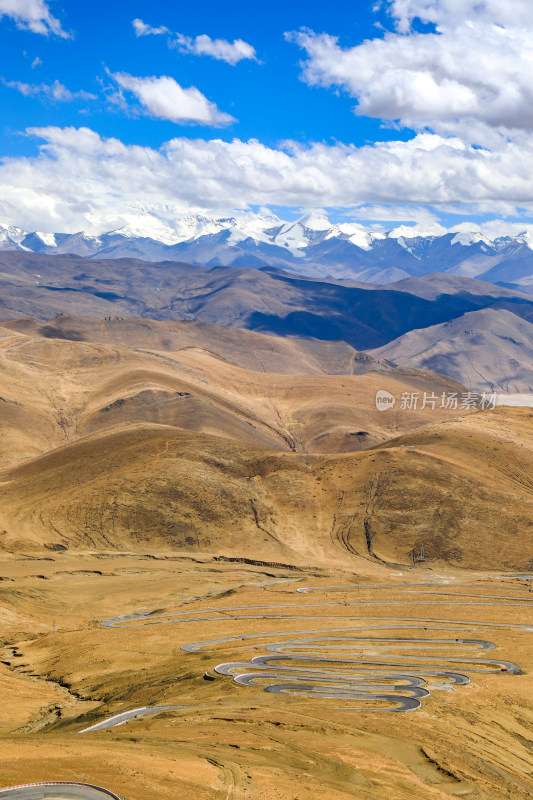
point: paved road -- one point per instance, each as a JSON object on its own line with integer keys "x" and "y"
{"x": 139, "y": 620}
{"x": 392, "y": 673}
{"x": 125, "y": 716}
{"x": 314, "y": 668}
{"x": 57, "y": 791}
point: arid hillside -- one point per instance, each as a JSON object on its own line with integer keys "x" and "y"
{"x": 172, "y": 439}
{"x": 254, "y": 389}
{"x": 428, "y": 321}
{"x": 210, "y": 737}
{"x": 482, "y": 349}
{"x": 242, "y": 497}
{"x": 465, "y": 492}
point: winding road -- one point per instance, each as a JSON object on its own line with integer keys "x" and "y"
{"x": 392, "y": 672}
{"x": 362, "y": 663}
{"x": 125, "y": 716}
{"x": 57, "y": 791}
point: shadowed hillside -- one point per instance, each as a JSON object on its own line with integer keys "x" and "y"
{"x": 266, "y": 300}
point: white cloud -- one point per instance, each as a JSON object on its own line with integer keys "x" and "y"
{"x": 221, "y": 49}
{"x": 55, "y": 91}
{"x": 495, "y": 228}
{"x": 36, "y": 62}
{"x": 79, "y": 177}
{"x": 446, "y": 12}
{"x": 164, "y": 98}
{"x": 473, "y": 73}
{"x": 142, "y": 29}
{"x": 32, "y": 15}
{"x": 201, "y": 45}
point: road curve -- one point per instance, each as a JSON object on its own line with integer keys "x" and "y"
{"x": 140, "y": 620}
{"x": 57, "y": 791}
{"x": 125, "y": 716}
{"x": 392, "y": 681}
{"x": 386, "y": 673}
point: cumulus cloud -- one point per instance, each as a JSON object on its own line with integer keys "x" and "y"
{"x": 164, "y": 98}
{"x": 99, "y": 178}
{"x": 32, "y": 15}
{"x": 142, "y": 29}
{"x": 495, "y": 228}
{"x": 221, "y": 49}
{"x": 446, "y": 12}
{"x": 55, "y": 91}
{"x": 201, "y": 45}
{"x": 475, "y": 67}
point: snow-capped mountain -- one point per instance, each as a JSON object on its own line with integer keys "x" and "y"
{"x": 310, "y": 245}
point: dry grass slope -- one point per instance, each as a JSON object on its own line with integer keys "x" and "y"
{"x": 231, "y": 741}
{"x": 183, "y": 448}
{"x": 154, "y": 467}
{"x": 465, "y": 493}
{"x": 244, "y": 386}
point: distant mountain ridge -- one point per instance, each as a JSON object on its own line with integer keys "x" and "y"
{"x": 311, "y": 245}
{"x": 489, "y": 349}
{"x": 479, "y": 334}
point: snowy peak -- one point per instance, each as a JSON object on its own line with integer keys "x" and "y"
{"x": 11, "y": 237}
{"x": 310, "y": 245}
{"x": 467, "y": 238}
{"x": 314, "y": 222}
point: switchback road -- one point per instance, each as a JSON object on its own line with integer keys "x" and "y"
{"x": 392, "y": 672}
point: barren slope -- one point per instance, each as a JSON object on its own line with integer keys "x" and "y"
{"x": 486, "y": 350}
{"x": 55, "y": 390}
{"x": 225, "y": 740}
{"x": 465, "y": 493}
{"x": 254, "y": 351}
{"x": 268, "y": 300}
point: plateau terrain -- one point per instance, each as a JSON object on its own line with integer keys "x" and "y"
{"x": 223, "y": 568}
{"x": 266, "y": 400}
{"x": 225, "y": 564}
{"x": 475, "y": 332}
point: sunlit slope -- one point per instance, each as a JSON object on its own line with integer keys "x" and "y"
{"x": 255, "y": 351}
{"x": 487, "y": 350}
{"x": 465, "y": 493}
{"x": 30, "y": 419}
{"x": 58, "y": 390}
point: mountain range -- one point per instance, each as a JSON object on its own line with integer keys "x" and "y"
{"x": 310, "y": 245}
{"x": 477, "y": 333}
{"x": 72, "y": 377}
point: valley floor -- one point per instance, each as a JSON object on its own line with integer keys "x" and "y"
{"x": 311, "y": 733}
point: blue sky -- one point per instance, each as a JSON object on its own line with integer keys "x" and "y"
{"x": 372, "y": 110}
{"x": 268, "y": 98}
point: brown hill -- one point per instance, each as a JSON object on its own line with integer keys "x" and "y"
{"x": 417, "y": 322}
{"x": 267, "y": 300}
{"x": 464, "y": 492}
{"x": 182, "y": 448}
{"x": 57, "y": 390}
{"x": 254, "y": 351}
